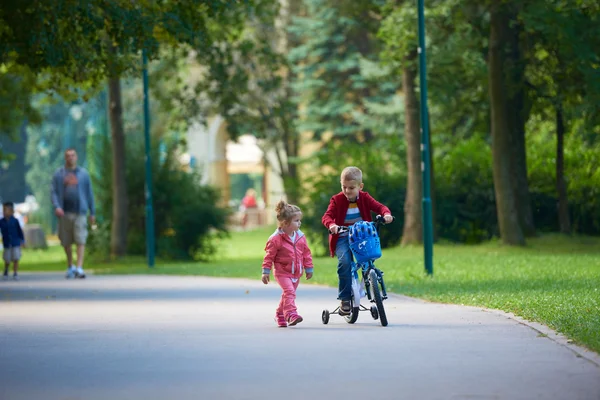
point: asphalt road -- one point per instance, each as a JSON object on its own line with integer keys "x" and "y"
{"x": 159, "y": 337}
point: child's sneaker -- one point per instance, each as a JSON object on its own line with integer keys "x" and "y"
{"x": 345, "y": 307}
{"x": 5, "y": 277}
{"x": 294, "y": 320}
{"x": 79, "y": 273}
{"x": 70, "y": 272}
{"x": 280, "y": 319}
{"x": 15, "y": 277}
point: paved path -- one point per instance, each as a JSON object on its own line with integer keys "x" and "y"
{"x": 153, "y": 337}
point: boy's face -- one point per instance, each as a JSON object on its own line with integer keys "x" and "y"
{"x": 351, "y": 189}
{"x": 7, "y": 211}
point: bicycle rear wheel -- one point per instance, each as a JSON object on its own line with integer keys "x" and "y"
{"x": 376, "y": 292}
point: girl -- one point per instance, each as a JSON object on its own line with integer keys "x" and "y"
{"x": 288, "y": 253}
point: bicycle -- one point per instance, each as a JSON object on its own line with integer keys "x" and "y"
{"x": 366, "y": 248}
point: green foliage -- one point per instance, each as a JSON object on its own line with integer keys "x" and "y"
{"x": 456, "y": 61}
{"x": 563, "y": 61}
{"x": 69, "y": 47}
{"x": 335, "y": 63}
{"x": 186, "y": 214}
{"x": 583, "y": 179}
{"x": 15, "y": 106}
{"x": 246, "y": 79}
{"x": 464, "y": 198}
{"x": 76, "y": 45}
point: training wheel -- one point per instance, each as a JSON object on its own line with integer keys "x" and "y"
{"x": 374, "y": 312}
{"x": 325, "y": 316}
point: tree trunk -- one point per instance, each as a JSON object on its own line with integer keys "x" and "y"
{"x": 506, "y": 206}
{"x": 118, "y": 241}
{"x": 514, "y": 69}
{"x": 291, "y": 181}
{"x": 561, "y": 186}
{"x": 289, "y": 138}
{"x": 413, "y": 224}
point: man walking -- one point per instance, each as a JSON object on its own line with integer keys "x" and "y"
{"x": 72, "y": 198}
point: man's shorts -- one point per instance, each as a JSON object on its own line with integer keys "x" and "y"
{"x": 11, "y": 254}
{"x": 72, "y": 228}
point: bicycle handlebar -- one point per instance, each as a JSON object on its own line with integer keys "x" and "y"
{"x": 378, "y": 221}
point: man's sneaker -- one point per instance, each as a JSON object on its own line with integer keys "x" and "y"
{"x": 294, "y": 320}
{"x": 5, "y": 277}
{"x": 346, "y": 307}
{"x": 15, "y": 277}
{"x": 280, "y": 320}
{"x": 70, "y": 272}
{"x": 79, "y": 273}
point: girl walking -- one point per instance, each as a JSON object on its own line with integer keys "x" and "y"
{"x": 288, "y": 253}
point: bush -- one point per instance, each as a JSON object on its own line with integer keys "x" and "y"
{"x": 465, "y": 209}
{"x": 186, "y": 214}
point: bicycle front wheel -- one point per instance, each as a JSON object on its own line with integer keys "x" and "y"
{"x": 377, "y": 297}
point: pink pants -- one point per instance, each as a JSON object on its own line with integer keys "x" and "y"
{"x": 287, "y": 305}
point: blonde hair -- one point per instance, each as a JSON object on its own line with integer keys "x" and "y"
{"x": 285, "y": 212}
{"x": 351, "y": 174}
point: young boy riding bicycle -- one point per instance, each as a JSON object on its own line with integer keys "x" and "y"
{"x": 349, "y": 206}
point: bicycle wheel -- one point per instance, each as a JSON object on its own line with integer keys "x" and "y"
{"x": 376, "y": 291}
{"x": 353, "y": 316}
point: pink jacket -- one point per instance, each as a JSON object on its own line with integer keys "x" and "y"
{"x": 287, "y": 258}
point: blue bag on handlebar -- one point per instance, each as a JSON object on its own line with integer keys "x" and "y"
{"x": 364, "y": 241}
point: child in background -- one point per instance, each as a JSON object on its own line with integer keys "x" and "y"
{"x": 12, "y": 239}
{"x": 289, "y": 255}
{"x": 248, "y": 202}
{"x": 346, "y": 208}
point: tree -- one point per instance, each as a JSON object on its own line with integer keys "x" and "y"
{"x": 399, "y": 33}
{"x": 330, "y": 87}
{"x": 503, "y": 35}
{"x": 86, "y": 42}
{"x": 348, "y": 99}
{"x": 247, "y": 80}
{"x": 405, "y": 55}
{"x": 565, "y": 36}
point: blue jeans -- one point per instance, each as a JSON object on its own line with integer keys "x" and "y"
{"x": 344, "y": 269}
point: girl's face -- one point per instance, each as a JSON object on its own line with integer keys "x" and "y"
{"x": 293, "y": 224}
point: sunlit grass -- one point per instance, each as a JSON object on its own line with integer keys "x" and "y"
{"x": 555, "y": 280}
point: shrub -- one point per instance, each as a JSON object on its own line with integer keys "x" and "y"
{"x": 187, "y": 216}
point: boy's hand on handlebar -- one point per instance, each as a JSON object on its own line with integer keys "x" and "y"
{"x": 265, "y": 278}
{"x": 388, "y": 218}
{"x": 333, "y": 229}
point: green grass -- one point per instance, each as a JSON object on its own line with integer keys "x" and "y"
{"x": 555, "y": 280}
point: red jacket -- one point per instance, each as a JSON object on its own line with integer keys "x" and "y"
{"x": 287, "y": 258}
{"x": 338, "y": 207}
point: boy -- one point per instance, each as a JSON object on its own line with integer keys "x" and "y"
{"x": 12, "y": 239}
{"x": 346, "y": 208}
